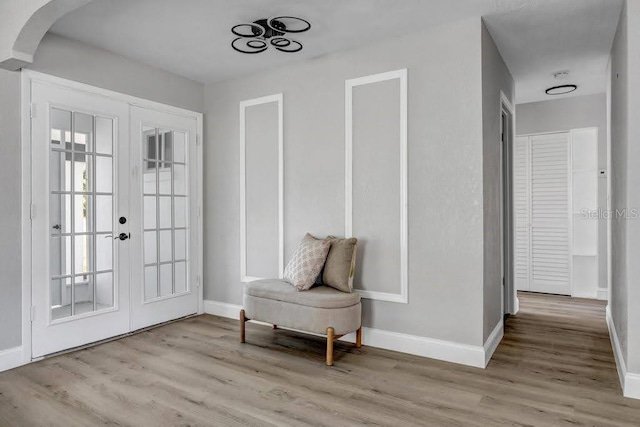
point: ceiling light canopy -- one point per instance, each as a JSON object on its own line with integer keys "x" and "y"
{"x": 260, "y": 35}
{"x": 561, "y": 90}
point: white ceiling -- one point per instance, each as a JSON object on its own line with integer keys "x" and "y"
{"x": 192, "y": 38}
{"x": 550, "y": 36}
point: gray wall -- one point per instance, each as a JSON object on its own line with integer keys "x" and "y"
{"x": 10, "y": 222}
{"x": 625, "y": 156}
{"x": 633, "y": 228}
{"x": 83, "y": 63}
{"x": 495, "y": 78}
{"x": 619, "y": 172}
{"x": 573, "y": 113}
{"x": 446, "y": 254}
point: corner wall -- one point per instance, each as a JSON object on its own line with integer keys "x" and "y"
{"x": 446, "y": 253}
{"x": 624, "y": 321}
{"x": 10, "y": 223}
{"x": 495, "y": 78}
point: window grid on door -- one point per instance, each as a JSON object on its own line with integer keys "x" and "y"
{"x": 165, "y": 212}
{"x": 81, "y": 192}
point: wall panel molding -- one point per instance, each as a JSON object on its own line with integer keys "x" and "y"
{"x": 401, "y": 76}
{"x": 277, "y": 98}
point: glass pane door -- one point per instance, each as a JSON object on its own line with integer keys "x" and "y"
{"x": 81, "y": 213}
{"x": 80, "y": 189}
{"x": 166, "y": 212}
{"x": 163, "y": 203}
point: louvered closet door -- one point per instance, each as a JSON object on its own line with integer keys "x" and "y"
{"x": 521, "y": 172}
{"x": 550, "y": 214}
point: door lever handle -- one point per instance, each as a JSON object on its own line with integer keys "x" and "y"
{"x": 123, "y": 236}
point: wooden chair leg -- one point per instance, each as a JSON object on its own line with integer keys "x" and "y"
{"x": 242, "y": 324}
{"x": 359, "y": 337}
{"x": 330, "y": 338}
{"x": 274, "y": 326}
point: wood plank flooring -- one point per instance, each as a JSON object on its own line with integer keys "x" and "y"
{"x": 554, "y": 367}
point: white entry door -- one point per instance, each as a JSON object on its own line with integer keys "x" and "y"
{"x": 80, "y": 273}
{"x": 115, "y": 215}
{"x": 165, "y": 217}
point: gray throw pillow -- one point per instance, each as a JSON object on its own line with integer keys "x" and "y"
{"x": 306, "y": 263}
{"x": 340, "y": 266}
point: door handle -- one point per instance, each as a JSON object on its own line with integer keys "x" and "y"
{"x": 123, "y": 236}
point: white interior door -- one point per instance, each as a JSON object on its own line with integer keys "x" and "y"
{"x": 543, "y": 212}
{"x": 80, "y": 273}
{"x": 522, "y": 213}
{"x": 551, "y": 214}
{"x": 164, "y": 220}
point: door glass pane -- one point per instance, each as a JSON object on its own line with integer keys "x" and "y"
{"x": 180, "y": 180}
{"x": 165, "y": 246}
{"x": 150, "y": 247}
{"x": 164, "y": 178}
{"x": 104, "y": 291}
{"x": 83, "y": 294}
{"x": 151, "y": 282}
{"x": 60, "y": 171}
{"x": 104, "y": 176}
{"x": 166, "y": 239}
{"x": 104, "y": 214}
{"x": 81, "y": 222}
{"x": 60, "y": 214}
{"x": 82, "y": 213}
{"x": 60, "y": 298}
{"x": 104, "y": 253}
{"x": 179, "y": 147}
{"x": 180, "y": 276}
{"x": 60, "y": 256}
{"x": 180, "y": 208}
{"x": 104, "y": 135}
{"x": 180, "y": 244}
{"x": 82, "y": 170}
{"x": 150, "y": 212}
{"x": 83, "y": 132}
{"x": 165, "y": 212}
{"x": 166, "y": 279}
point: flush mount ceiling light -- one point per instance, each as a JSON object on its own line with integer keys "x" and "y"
{"x": 259, "y": 35}
{"x": 561, "y": 90}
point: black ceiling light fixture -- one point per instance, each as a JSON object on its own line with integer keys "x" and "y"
{"x": 258, "y": 36}
{"x": 561, "y": 90}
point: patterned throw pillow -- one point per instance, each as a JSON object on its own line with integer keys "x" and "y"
{"x": 307, "y": 262}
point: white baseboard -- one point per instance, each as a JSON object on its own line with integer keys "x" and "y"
{"x": 11, "y": 358}
{"x": 630, "y": 382}
{"x": 603, "y": 294}
{"x": 493, "y": 341}
{"x": 222, "y": 309}
{"x": 465, "y": 354}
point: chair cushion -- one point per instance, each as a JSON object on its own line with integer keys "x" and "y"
{"x": 319, "y": 296}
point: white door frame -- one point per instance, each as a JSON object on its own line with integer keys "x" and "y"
{"x": 509, "y": 287}
{"x": 28, "y": 211}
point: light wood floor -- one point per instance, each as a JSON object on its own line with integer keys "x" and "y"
{"x": 554, "y": 367}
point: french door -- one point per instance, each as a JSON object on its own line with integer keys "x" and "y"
{"x": 113, "y": 221}
{"x": 163, "y": 257}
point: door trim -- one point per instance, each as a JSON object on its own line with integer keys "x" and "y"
{"x": 27, "y": 78}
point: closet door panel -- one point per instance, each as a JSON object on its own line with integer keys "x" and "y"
{"x": 550, "y": 214}
{"x": 521, "y": 172}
